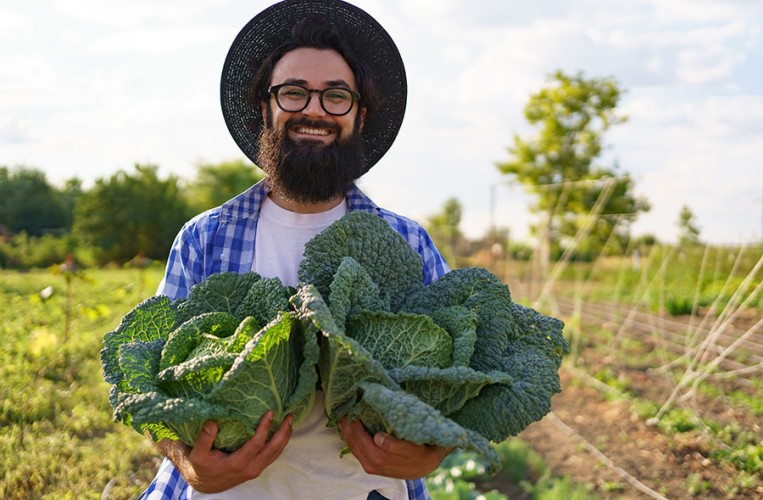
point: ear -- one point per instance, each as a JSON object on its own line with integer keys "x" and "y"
{"x": 264, "y": 110}
{"x": 362, "y": 117}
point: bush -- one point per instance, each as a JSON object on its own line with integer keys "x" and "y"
{"x": 26, "y": 252}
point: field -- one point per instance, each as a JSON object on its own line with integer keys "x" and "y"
{"x": 57, "y": 438}
{"x": 662, "y": 393}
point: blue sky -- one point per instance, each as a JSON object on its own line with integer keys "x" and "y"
{"x": 88, "y": 87}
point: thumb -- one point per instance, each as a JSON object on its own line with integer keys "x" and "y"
{"x": 206, "y": 438}
{"x": 380, "y": 438}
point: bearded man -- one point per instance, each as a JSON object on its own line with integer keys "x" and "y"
{"x": 313, "y": 91}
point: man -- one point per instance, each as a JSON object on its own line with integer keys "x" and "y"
{"x": 314, "y": 92}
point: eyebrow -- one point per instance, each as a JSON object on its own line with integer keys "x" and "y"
{"x": 328, "y": 83}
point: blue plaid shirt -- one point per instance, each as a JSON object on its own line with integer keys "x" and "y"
{"x": 222, "y": 240}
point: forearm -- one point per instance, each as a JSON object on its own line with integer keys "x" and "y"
{"x": 177, "y": 453}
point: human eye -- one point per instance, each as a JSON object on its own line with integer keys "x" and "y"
{"x": 337, "y": 95}
{"x": 293, "y": 92}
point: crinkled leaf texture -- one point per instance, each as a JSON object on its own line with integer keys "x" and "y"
{"x": 357, "y": 385}
{"x": 387, "y": 258}
{"x": 229, "y": 352}
{"x": 453, "y": 363}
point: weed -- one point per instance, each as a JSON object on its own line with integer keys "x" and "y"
{"x": 696, "y": 485}
{"x": 678, "y": 420}
{"x": 611, "y": 486}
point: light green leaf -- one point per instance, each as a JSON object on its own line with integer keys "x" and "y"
{"x": 402, "y": 339}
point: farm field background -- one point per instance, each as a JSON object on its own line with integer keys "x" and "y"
{"x": 654, "y": 404}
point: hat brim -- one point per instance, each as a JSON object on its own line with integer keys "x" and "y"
{"x": 270, "y": 28}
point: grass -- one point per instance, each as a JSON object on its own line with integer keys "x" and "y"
{"x": 675, "y": 280}
{"x": 57, "y": 438}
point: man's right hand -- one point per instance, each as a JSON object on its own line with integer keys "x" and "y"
{"x": 209, "y": 470}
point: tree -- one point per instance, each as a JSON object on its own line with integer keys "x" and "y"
{"x": 558, "y": 164}
{"x": 216, "y": 184}
{"x": 128, "y": 215}
{"x": 444, "y": 229}
{"x": 688, "y": 232}
{"x": 30, "y": 204}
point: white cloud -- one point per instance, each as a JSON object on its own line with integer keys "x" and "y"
{"x": 89, "y": 86}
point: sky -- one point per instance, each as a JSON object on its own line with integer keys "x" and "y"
{"x": 91, "y": 87}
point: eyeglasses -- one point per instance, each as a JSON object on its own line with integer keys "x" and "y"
{"x": 293, "y": 98}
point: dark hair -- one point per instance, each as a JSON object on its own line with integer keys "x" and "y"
{"x": 317, "y": 32}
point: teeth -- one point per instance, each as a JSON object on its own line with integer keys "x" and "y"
{"x": 312, "y": 131}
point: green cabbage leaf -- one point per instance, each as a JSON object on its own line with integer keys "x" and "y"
{"x": 229, "y": 352}
{"x": 454, "y": 363}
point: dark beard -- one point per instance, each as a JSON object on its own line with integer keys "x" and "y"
{"x": 306, "y": 171}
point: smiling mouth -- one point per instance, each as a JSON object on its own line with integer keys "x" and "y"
{"x": 320, "y": 132}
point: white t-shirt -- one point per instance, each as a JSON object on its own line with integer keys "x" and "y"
{"x": 310, "y": 465}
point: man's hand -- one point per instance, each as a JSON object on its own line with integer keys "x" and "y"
{"x": 210, "y": 471}
{"x": 384, "y": 455}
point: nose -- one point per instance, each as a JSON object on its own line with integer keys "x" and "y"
{"x": 314, "y": 105}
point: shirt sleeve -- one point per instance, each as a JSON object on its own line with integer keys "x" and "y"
{"x": 417, "y": 489}
{"x": 168, "y": 484}
{"x": 184, "y": 264}
{"x": 417, "y": 237}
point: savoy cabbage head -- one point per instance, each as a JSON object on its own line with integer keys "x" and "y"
{"x": 454, "y": 363}
{"x": 228, "y": 352}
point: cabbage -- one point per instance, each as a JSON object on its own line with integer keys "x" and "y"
{"x": 229, "y": 352}
{"x": 454, "y": 363}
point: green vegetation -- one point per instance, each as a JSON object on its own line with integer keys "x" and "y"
{"x": 57, "y": 438}
{"x": 174, "y": 366}
{"x": 558, "y": 166}
{"x": 473, "y": 365}
{"x": 127, "y": 215}
{"x": 677, "y": 280}
{"x": 462, "y": 476}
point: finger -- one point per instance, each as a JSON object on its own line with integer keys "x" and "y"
{"x": 204, "y": 442}
{"x": 253, "y": 446}
{"x": 278, "y": 442}
{"x": 260, "y": 455}
{"x": 390, "y": 444}
{"x": 354, "y": 432}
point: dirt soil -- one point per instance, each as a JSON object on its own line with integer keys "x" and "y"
{"x": 662, "y": 464}
{"x": 676, "y": 466}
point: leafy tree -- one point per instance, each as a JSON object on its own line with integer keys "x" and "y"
{"x": 216, "y": 184}
{"x": 444, "y": 228}
{"x": 131, "y": 214}
{"x": 688, "y": 231}
{"x": 69, "y": 195}
{"x": 558, "y": 164}
{"x": 30, "y": 204}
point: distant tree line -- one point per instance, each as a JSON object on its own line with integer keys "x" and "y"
{"x": 127, "y": 215}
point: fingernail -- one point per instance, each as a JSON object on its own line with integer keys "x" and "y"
{"x": 207, "y": 427}
{"x": 379, "y": 439}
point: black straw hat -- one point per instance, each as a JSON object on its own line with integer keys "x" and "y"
{"x": 270, "y": 28}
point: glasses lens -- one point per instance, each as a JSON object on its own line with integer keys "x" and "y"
{"x": 292, "y": 98}
{"x": 336, "y": 101}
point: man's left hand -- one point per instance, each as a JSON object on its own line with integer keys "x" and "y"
{"x": 385, "y": 455}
